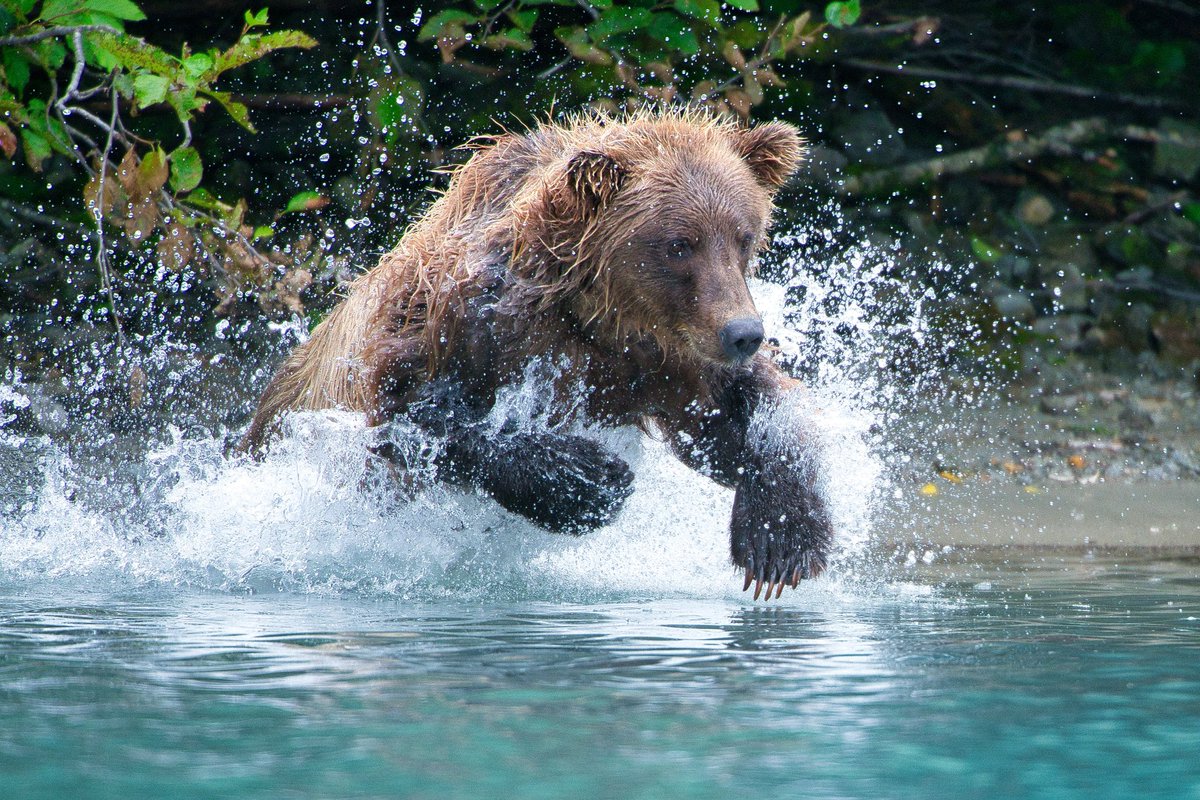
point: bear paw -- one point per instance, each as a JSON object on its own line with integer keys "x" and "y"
{"x": 567, "y": 484}
{"x": 780, "y": 530}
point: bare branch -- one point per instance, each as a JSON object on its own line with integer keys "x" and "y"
{"x": 1014, "y": 82}
{"x": 53, "y": 33}
{"x": 76, "y": 74}
{"x": 975, "y": 159}
{"x": 98, "y": 213}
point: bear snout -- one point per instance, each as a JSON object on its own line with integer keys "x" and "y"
{"x": 741, "y": 338}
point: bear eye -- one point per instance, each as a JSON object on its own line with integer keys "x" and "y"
{"x": 746, "y": 243}
{"x": 679, "y": 248}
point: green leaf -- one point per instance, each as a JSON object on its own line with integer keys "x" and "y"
{"x": 263, "y": 232}
{"x": 239, "y": 112}
{"x": 395, "y": 103}
{"x": 744, "y": 5}
{"x": 984, "y": 251}
{"x": 674, "y": 32}
{"x": 1191, "y": 212}
{"x": 202, "y": 198}
{"x": 707, "y": 10}
{"x": 97, "y": 55}
{"x": 197, "y": 64}
{"x": 619, "y": 20}
{"x": 50, "y": 53}
{"x": 579, "y": 46}
{"x": 306, "y": 201}
{"x": 185, "y": 102}
{"x": 512, "y": 38}
{"x": 150, "y": 89}
{"x": 37, "y": 149}
{"x": 434, "y": 25}
{"x": 524, "y": 20}
{"x": 136, "y": 53}
{"x": 186, "y": 169}
{"x": 61, "y": 12}
{"x": 254, "y": 46}
{"x": 255, "y": 20}
{"x": 121, "y": 9}
{"x": 16, "y": 68}
{"x": 843, "y": 14}
{"x": 98, "y": 18}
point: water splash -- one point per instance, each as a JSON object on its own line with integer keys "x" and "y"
{"x": 314, "y": 517}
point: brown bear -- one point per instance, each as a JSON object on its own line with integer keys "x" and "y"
{"x": 616, "y": 249}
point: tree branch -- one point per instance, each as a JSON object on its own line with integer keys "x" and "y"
{"x": 975, "y": 159}
{"x": 53, "y": 33}
{"x": 1060, "y": 140}
{"x": 1014, "y": 82}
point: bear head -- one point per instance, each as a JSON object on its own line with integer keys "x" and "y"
{"x": 649, "y": 227}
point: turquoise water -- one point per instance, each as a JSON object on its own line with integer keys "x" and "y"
{"x": 1022, "y": 677}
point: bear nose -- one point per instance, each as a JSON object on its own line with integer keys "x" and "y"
{"x": 741, "y": 338}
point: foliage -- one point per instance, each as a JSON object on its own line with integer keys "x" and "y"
{"x": 70, "y": 78}
{"x": 75, "y": 83}
{"x": 718, "y": 55}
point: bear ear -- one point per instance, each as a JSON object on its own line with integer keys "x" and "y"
{"x": 772, "y": 150}
{"x": 592, "y": 180}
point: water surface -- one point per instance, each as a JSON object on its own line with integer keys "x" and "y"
{"x": 1055, "y": 676}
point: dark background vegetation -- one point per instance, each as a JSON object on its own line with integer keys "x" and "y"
{"x": 1036, "y": 164}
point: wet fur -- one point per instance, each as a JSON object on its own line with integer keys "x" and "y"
{"x": 548, "y": 245}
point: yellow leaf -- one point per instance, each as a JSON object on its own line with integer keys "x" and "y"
{"x": 929, "y": 490}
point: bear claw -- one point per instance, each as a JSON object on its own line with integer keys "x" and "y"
{"x": 777, "y": 582}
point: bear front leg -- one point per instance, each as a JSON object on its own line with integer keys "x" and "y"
{"x": 780, "y": 530}
{"x": 752, "y": 440}
{"x": 566, "y": 484}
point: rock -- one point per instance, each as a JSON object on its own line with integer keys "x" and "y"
{"x": 1058, "y": 405}
{"x": 1014, "y": 269}
{"x": 1066, "y": 285}
{"x": 1177, "y": 153}
{"x": 1065, "y": 245}
{"x": 1034, "y": 209}
{"x": 823, "y": 166}
{"x": 1065, "y": 329}
{"x": 869, "y": 137}
{"x": 1013, "y": 305}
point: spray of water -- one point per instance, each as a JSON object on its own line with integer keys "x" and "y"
{"x": 314, "y": 516}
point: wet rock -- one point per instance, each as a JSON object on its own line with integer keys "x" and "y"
{"x": 1132, "y": 246}
{"x": 1136, "y": 418}
{"x": 1014, "y": 269}
{"x": 869, "y": 137}
{"x": 1065, "y": 245}
{"x": 1187, "y": 463}
{"x": 1065, "y": 329}
{"x": 823, "y": 166}
{"x": 1013, "y": 305}
{"x": 1058, "y": 405}
{"x": 966, "y": 202}
{"x": 1177, "y": 153}
{"x": 1064, "y": 282}
{"x": 1034, "y": 209}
